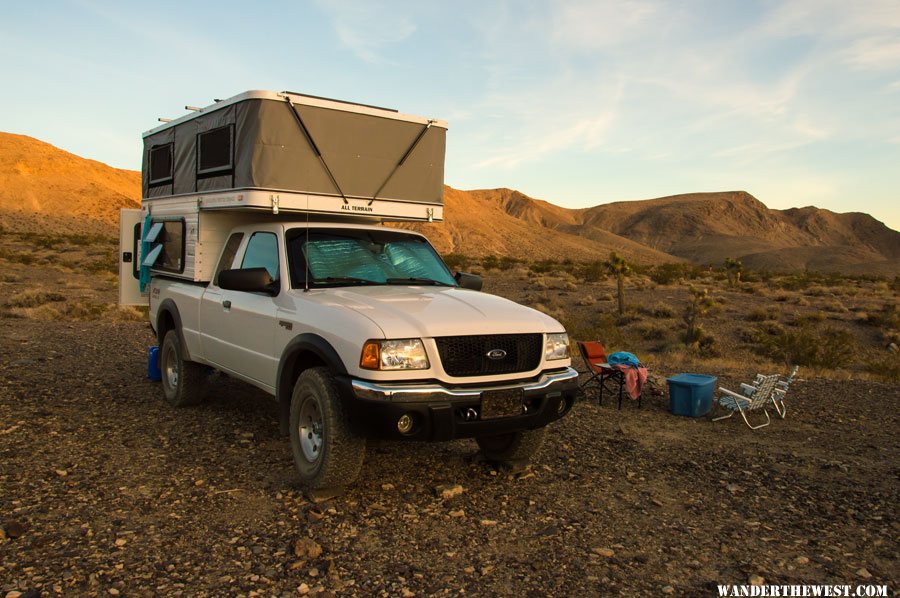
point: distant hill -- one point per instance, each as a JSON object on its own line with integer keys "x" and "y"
{"x": 43, "y": 188}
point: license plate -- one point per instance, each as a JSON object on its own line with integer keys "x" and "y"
{"x": 501, "y": 403}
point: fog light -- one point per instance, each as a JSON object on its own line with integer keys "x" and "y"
{"x": 405, "y": 424}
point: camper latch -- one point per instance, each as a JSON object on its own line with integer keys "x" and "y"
{"x": 430, "y": 213}
{"x": 274, "y": 204}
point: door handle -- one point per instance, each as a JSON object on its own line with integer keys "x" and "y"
{"x": 226, "y": 304}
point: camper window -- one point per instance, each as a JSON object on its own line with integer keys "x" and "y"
{"x": 214, "y": 151}
{"x": 161, "y": 164}
{"x": 167, "y": 246}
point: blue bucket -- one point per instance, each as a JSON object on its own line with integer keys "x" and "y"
{"x": 153, "y": 365}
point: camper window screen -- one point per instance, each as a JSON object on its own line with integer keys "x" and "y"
{"x": 167, "y": 250}
{"x": 214, "y": 151}
{"x": 161, "y": 164}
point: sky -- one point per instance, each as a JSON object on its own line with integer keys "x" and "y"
{"x": 575, "y": 102}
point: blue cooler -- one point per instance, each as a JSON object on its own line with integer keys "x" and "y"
{"x": 153, "y": 364}
{"x": 691, "y": 394}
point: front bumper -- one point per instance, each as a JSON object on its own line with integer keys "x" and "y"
{"x": 442, "y": 412}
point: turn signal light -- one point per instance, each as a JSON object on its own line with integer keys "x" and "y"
{"x": 371, "y": 356}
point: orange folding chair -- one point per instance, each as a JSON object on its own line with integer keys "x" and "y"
{"x": 600, "y": 374}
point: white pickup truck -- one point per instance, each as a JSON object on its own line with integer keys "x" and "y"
{"x": 357, "y": 329}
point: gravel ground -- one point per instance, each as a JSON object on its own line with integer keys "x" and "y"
{"x": 106, "y": 490}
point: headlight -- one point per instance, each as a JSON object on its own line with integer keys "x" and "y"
{"x": 403, "y": 354}
{"x": 557, "y": 346}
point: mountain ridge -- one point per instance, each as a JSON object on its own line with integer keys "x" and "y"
{"x": 44, "y": 188}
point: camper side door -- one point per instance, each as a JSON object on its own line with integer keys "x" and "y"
{"x": 129, "y": 259}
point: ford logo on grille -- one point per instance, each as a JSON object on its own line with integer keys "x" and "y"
{"x": 496, "y": 354}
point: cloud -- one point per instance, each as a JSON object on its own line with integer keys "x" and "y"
{"x": 874, "y": 53}
{"x": 367, "y": 28}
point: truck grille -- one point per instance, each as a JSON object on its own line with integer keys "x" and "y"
{"x": 468, "y": 355}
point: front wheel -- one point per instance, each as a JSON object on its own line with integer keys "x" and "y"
{"x": 326, "y": 452}
{"x": 512, "y": 448}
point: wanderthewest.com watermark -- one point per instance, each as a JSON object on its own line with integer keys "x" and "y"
{"x": 801, "y": 590}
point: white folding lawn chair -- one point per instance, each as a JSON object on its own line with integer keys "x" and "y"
{"x": 781, "y": 388}
{"x": 755, "y": 396}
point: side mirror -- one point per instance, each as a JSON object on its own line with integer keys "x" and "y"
{"x": 468, "y": 281}
{"x": 250, "y": 280}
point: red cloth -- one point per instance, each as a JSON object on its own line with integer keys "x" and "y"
{"x": 635, "y": 378}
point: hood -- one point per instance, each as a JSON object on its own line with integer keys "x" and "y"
{"x": 421, "y": 312}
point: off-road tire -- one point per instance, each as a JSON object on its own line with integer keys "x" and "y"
{"x": 183, "y": 382}
{"x": 512, "y": 448}
{"x": 326, "y": 452}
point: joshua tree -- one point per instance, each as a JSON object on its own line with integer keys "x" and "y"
{"x": 733, "y": 269}
{"x": 618, "y": 267}
{"x": 698, "y": 307}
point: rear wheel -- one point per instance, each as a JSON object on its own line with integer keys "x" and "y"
{"x": 183, "y": 381}
{"x": 512, "y": 448}
{"x": 327, "y": 454}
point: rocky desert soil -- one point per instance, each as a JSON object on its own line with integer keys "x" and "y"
{"x": 106, "y": 490}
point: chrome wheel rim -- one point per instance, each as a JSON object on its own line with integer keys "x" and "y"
{"x": 170, "y": 369}
{"x": 311, "y": 429}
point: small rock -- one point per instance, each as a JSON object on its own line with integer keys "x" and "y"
{"x": 658, "y": 503}
{"x": 733, "y": 488}
{"x": 757, "y": 580}
{"x": 447, "y": 492}
{"x": 113, "y": 592}
{"x": 605, "y": 552}
{"x": 313, "y": 572}
{"x": 303, "y": 589}
{"x": 801, "y": 560}
{"x": 319, "y": 496}
{"x": 459, "y": 513}
{"x": 488, "y": 522}
{"x": 199, "y": 482}
{"x": 668, "y": 590}
{"x": 407, "y": 593}
{"x": 61, "y": 472}
{"x": 863, "y": 572}
{"x": 387, "y": 487}
{"x": 121, "y": 542}
{"x": 13, "y": 594}
{"x": 14, "y": 529}
{"x": 307, "y": 548}
{"x": 2, "y": 534}
{"x": 469, "y": 570}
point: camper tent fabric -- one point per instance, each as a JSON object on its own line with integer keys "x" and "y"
{"x": 271, "y": 151}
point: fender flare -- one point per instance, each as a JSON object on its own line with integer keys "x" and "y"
{"x": 306, "y": 342}
{"x": 168, "y": 306}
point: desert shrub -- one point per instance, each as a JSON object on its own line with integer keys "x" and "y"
{"x": 805, "y": 319}
{"x": 602, "y": 328}
{"x": 456, "y": 261}
{"x": 653, "y": 332}
{"x": 801, "y": 301}
{"x": 781, "y": 297}
{"x": 593, "y": 271}
{"x": 491, "y": 262}
{"x": 585, "y": 300}
{"x": 543, "y": 266}
{"x": 834, "y": 306}
{"x": 761, "y": 315}
{"x": 657, "y": 310}
{"x": 507, "y": 262}
{"x": 887, "y": 317}
{"x": 806, "y": 345}
{"x": 886, "y": 366}
{"x": 895, "y": 284}
{"x": 671, "y": 273}
{"x": 33, "y": 299}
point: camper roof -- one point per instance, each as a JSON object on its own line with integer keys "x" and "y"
{"x": 301, "y": 99}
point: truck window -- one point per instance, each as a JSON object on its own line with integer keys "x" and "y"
{"x": 262, "y": 252}
{"x": 227, "y": 259}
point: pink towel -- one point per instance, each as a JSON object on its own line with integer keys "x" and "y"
{"x": 635, "y": 378}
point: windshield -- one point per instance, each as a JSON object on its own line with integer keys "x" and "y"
{"x": 346, "y": 257}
